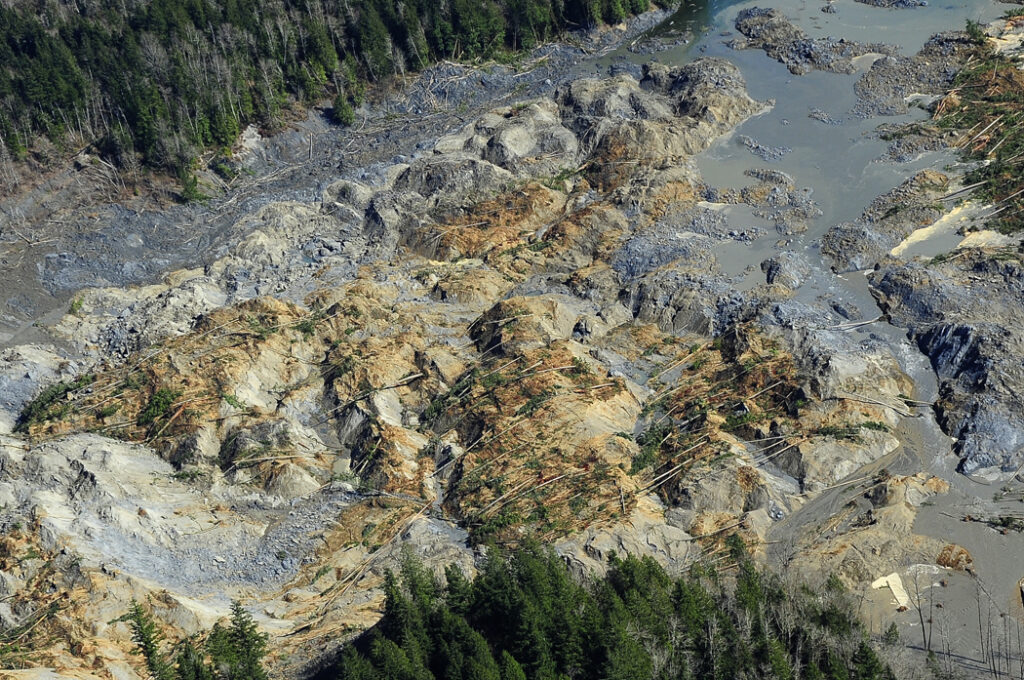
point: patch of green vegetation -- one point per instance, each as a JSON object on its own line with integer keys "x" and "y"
{"x": 577, "y": 504}
{"x": 976, "y": 32}
{"x": 135, "y": 381}
{"x": 492, "y": 525}
{"x": 891, "y": 636}
{"x": 735, "y": 421}
{"x": 190, "y": 192}
{"x": 107, "y": 411}
{"x": 900, "y": 132}
{"x": 347, "y": 477}
{"x": 76, "y": 306}
{"x": 557, "y": 182}
{"x": 320, "y": 573}
{"x": 534, "y": 403}
{"x": 188, "y": 475}
{"x": 233, "y": 401}
{"x": 580, "y": 369}
{"x": 443, "y": 402}
{"x": 31, "y": 554}
{"x": 342, "y": 111}
{"x": 990, "y": 112}
{"x": 842, "y": 432}
{"x": 224, "y": 169}
{"x": 260, "y": 327}
{"x": 159, "y": 406}
{"x": 338, "y": 369}
{"x": 16, "y": 642}
{"x": 51, "y": 404}
{"x": 492, "y": 380}
{"x": 307, "y": 326}
{"x": 651, "y": 442}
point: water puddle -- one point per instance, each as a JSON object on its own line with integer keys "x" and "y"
{"x": 942, "y": 237}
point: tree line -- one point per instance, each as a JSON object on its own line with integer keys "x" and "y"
{"x": 525, "y": 616}
{"x": 154, "y": 82}
{"x": 232, "y": 652}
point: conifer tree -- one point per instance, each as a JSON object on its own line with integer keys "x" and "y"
{"x": 147, "y": 639}
{"x": 525, "y": 616}
{"x": 510, "y": 668}
{"x": 249, "y": 645}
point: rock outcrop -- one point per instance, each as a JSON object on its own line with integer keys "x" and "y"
{"x": 964, "y": 312}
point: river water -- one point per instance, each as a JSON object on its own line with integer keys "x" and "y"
{"x": 840, "y": 164}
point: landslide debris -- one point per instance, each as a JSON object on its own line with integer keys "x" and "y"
{"x": 984, "y": 109}
{"x": 891, "y": 80}
{"x": 894, "y": 80}
{"x": 476, "y": 346}
{"x": 886, "y": 222}
{"x": 964, "y": 311}
{"x": 768, "y": 29}
{"x": 963, "y": 308}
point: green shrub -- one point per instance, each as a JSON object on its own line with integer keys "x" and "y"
{"x": 976, "y": 32}
{"x": 158, "y": 406}
{"x": 343, "y": 112}
{"x": 51, "y": 403}
{"x": 190, "y": 192}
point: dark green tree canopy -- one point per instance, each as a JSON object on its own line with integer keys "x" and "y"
{"x": 164, "y": 79}
{"x": 526, "y": 616}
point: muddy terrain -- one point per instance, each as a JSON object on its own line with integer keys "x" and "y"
{"x": 633, "y": 295}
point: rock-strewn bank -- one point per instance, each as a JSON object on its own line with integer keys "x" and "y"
{"x": 964, "y": 309}
{"x": 966, "y": 315}
{"x": 885, "y": 223}
{"x": 770, "y": 30}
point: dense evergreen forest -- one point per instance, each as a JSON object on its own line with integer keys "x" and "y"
{"x": 156, "y": 81}
{"x": 525, "y": 616}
